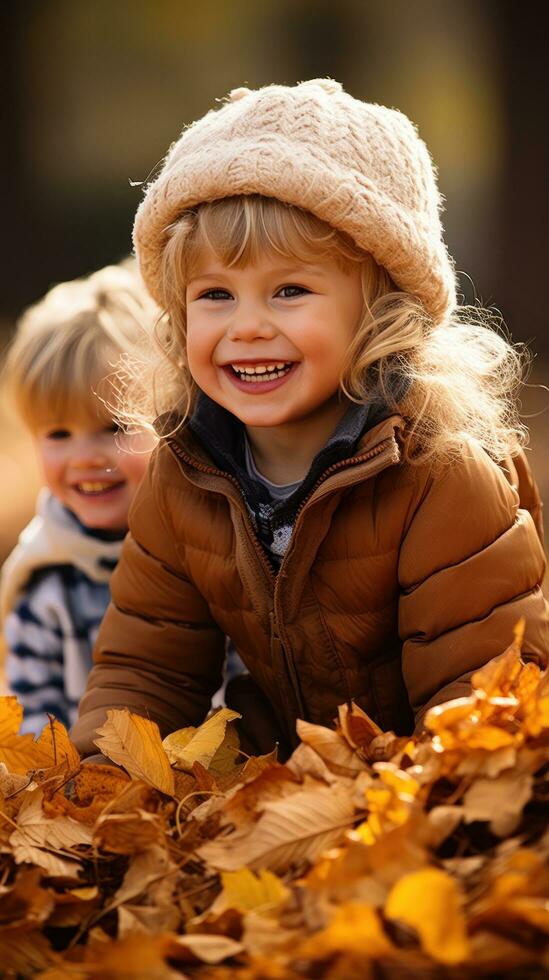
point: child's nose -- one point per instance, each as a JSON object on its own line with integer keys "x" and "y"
{"x": 89, "y": 453}
{"x": 251, "y": 323}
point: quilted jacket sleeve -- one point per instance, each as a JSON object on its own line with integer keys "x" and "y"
{"x": 158, "y": 652}
{"x": 471, "y": 564}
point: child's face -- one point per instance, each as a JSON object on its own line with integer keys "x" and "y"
{"x": 86, "y": 470}
{"x": 282, "y": 324}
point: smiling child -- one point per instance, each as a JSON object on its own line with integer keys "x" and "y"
{"x": 55, "y": 584}
{"x": 340, "y": 485}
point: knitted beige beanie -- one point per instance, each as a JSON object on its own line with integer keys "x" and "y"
{"x": 362, "y": 168}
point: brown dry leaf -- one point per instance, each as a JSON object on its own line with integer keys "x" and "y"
{"x": 149, "y": 919}
{"x": 498, "y": 956}
{"x": 12, "y": 783}
{"x": 38, "y": 836}
{"x": 431, "y": 903}
{"x": 201, "y": 946}
{"x": 87, "y": 794}
{"x": 246, "y": 802}
{"x": 304, "y": 761}
{"x": 357, "y": 727}
{"x": 444, "y": 820}
{"x": 146, "y": 868}
{"x": 135, "y": 744}
{"x": 19, "y": 753}
{"x": 74, "y": 906}
{"x": 265, "y": 935}
{"x": 499, "y": 801}
{"x": 203, "y": 743}
{"x": 256, "y": 764}
{"x": 128, "y": 833}
{"x": 24, "y": 951}
{"x": 474, "y": 763}
{"x": 294, "y": 829}
{"x": 25, "y": 900}
{"x": 137, "y": 956}
{"x": 331, "y": 747}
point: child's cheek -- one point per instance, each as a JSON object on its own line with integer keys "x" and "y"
{"x": 50, "y": 460}
{"x": 133, "y": 465}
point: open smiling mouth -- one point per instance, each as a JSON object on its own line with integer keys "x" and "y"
{"x": 254, "y": 374}
{"x": 96, "y": 488}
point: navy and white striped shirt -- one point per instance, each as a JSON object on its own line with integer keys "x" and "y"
{"x": 55, "y": 591}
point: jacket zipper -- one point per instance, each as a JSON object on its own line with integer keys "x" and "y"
{"x": 276, "y": 629}
{"x": 286, "y": 650}
{"x": 227, "y": 476}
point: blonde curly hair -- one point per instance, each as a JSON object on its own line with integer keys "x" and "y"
{"x": 457, "y": 379}
{"x": 68, "y": 343}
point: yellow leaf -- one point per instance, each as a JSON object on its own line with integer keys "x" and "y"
{"x": 498, "y": 676}
{"x": 228, "y": 755}
{"x": 19, "y": 753}
{"x": 355, "y": 929}
{"x": 134, "y": 743}
{"x": 538, "y": 720}
{"x": 203, "y": 744}
{"x": 446, "y": 715}
{"x": 430, "y": 901}
{"x": 175, "y": 742}
{"x": 245, "y": 891}
{"x": 488, "y": 737}
{"x": 55, "y": 742}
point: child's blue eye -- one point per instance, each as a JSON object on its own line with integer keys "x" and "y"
{"x": 58, "y": 434}
{"x": 216, "y": 294}
{"x": 288, "y": 292}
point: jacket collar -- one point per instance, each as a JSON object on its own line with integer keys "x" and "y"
{"x": 214, "y": 435}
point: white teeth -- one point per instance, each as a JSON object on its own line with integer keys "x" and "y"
{"x": 89, "y": 486}
{"x": 261, "y": 369}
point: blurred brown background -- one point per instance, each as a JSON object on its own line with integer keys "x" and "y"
{"x": 95, "y": 90}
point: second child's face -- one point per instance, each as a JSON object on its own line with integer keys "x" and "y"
{"x": 86, "y": 470}
{"x": 268, "y": 341}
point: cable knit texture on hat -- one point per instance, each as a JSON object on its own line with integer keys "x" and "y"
{"x": 362, "y": 168}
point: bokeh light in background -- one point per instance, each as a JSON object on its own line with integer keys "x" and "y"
{"x": 98, "y": 89}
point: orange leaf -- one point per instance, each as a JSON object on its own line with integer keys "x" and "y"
{"x": 19, "y": 753}
{"x": 430, "y": 901}
{"x": 55, "y": 742}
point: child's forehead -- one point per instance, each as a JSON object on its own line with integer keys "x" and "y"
{"x": 208, "y": 264}
{"x": 82, "y": 415}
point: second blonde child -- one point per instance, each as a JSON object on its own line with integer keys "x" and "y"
{"x": 55, "y": 584}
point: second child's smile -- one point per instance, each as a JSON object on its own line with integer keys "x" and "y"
{"x": 97, "y": 488}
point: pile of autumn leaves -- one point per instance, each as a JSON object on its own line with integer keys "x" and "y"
{"x": 365, "y": 856}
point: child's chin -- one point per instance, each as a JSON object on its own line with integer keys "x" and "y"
{"x": 102, "y": 522}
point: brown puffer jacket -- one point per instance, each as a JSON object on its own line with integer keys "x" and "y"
{"x": 396, "y": 585}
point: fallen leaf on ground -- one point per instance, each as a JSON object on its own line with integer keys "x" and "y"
{"x": 134, "y": 743}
